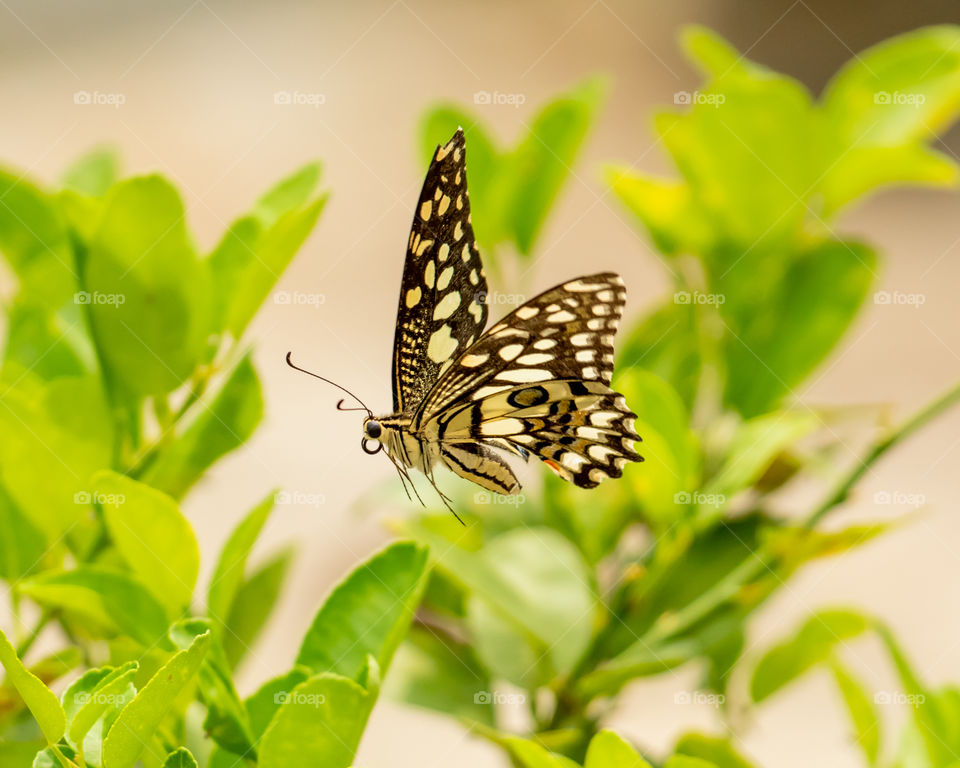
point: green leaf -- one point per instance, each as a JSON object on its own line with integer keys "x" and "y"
{"x": 131, "y": 733}
{"x": 529, "y": 754}
{"x": 608, "y": 750}
{"x": 812, "y": 645}
{"x": 23, "y": 546}
{"x": 48, "y": 344}
{"x": 55, "y": 438}
{"x": 320, "y": 723}
{"x": 93, "y": 173}
{"x": 543, "y": 161}
{"x": 40, "y": 700}
{"x": 683, "y": 761}
{"x": 666, "y": 343}
{"x": 863, "y": 714}
{"x": 258, "y": 247}
{"x": 720, "y": 752}
{"x": 229, "y": 573}
{"x": 180, "y": 758}
{"x": 35, "y": 242}
{"x": 368, "y": 613}
{"x": 263, "y": 705}
{"x": 254, "y": 602}
{"x": 436, "y": 672}
{"x": 94, "y": 694}
{"x": 147, "y": 292}
{"x": 777, "y": 343}
{"x": 153, "y": 537}
{"x": 884, "y": 105}
{"x": 220, "y": 427}
{"x": 55, "y": 757}
{"x": 109, "y": 601}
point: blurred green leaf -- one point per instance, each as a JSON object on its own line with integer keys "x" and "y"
{"x": 436, "y": 672}
{"x": 23, "y": 546}
{"x": 54, "y": 440}
{"x": 368, "y": 613}
{"x": 232, "y": 564}
{"x": 813, "y": 644}
{"x": 504, "y": 648}
{"x": 131, "y": 733}
{"x": 666, "y": 343}
{"x": 528, "y": 754}
{"x": 263, "y": 705}
{"x": 776, "y": 342}
{"x": 720, "y": 752}
{"x": 93, "y": 173}
{"x": 884, "y": 106}
{"x": 863, "y": 714}
{"x": 155, "y": 539}
{"x": 94, "y": 694}
{"x": 543, "y": 161}
{"x": 608, "y": 750}
{"x": 684, "y": 761}
{"x": 258, "y": 247}
{"x": 48, "y": 344}
{"x": 108, "y": 601}
{"x": 40, "y": 700}
{"x": 254, "y": 602}
{"x": 147, "y": 292}
{"x": 220, "y": 427}
{"x": 180, "y": 758}
{"x": 320, "y": 723}
{"x": 34, "y": 241}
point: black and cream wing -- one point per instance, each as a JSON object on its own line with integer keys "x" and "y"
{"x": 539, "y": 381}
{"x": 442, "y": 308}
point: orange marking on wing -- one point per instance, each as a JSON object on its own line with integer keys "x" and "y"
{"x": 554, "y": 466}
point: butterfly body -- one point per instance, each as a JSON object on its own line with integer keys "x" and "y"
{"x": 536, "y": 383}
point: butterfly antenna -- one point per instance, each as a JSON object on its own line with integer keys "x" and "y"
{"x": 332, "y": 383}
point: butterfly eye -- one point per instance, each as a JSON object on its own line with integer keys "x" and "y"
{"x": 373, "y": 429}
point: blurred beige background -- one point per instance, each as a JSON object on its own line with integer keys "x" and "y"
{"x": 198, "y": 81}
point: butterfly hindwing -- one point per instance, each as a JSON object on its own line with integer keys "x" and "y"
{"x": 539, "y": 381}
{"x": 442, "y": 308}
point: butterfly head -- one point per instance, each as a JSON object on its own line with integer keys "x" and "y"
{"x": 372, "y": 430}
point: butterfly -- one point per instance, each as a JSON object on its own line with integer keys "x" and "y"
{"x": 537, "y": 382}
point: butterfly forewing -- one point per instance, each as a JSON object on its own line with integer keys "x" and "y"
{"x": 442, "y": 308}
{"x": 539, "y": 381}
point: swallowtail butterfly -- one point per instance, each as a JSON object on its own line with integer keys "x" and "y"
{"x": 537, "y": 382}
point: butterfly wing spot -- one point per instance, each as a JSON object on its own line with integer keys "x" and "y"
{"x": 581, "y": 339}
{"x": 444, "y": 280}
{"x": 443, "y": 252}
{"x": 472, "y": 361}
{"x": 510, "y": 351}
{"x": 543, "y": 344}
{"x": 444, "y": 204}
{"x": 425, "y": 210}
{"x": 442, "y": 345}
{"x": 446, "y": 307}
{"x": 535, "y": 359}
{"x": 501, "y": 427}
{"x": 525, "y": 375}
{"x": 476, "y": 310}
{"x": 429, "y": 275}
{"x": 526, "y": 313}
{"x": 563, "y": 316}
{"x": 413, "y": 296}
